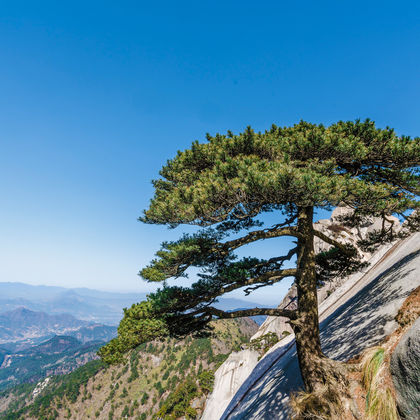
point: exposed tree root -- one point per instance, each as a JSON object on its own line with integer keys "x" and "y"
{"x": 331, "y": 399}
{"x": 323, "y": 404}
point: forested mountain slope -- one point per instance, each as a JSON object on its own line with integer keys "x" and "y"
{"x": 56, "y": 356}
{"x": 169, "y": 378}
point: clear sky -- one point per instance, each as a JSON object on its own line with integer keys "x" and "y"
{"x": 96, "y": 95}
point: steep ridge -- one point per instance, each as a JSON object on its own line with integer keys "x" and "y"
{"x": 357, "y": 315}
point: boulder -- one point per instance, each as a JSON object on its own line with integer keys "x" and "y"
{"x": 405, "y": 371}
{"x": 228, "y": 378}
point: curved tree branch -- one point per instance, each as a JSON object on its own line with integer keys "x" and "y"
{"x": 267, "y": 279}
{"x": 251, "y": 312}
{"x": 281, "y": 259}
{"x": 343, "y": 248}
{"x": 274, "y": 232}
{"x": 270, "y": 277}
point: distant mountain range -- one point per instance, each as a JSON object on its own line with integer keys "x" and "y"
{"x": 84, "y": 304}
{"x": 21, "y": 323}
{"x": 22, "y": 328}
{"x": 56, "y": 356}
{"x": 34, "y": 344}
{"x": 34, "y": 320}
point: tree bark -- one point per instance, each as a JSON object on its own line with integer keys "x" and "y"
{"x": 316, "y": 369}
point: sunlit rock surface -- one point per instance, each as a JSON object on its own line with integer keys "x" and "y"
{"x": 405, "y": 370}
{"x": 228, "y": 378}
{"x": 361, "y": 317}
{"x": 331, "y": 297}
{"x": 333, "y": 228}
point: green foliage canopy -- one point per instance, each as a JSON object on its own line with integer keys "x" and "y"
{"x": 226, "y": 183}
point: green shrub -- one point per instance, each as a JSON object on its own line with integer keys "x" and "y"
{"x": 206, "y": 381}
{"x": 264, "y": 343}
{"x": 178, "y": 402}
{"x": 144, "y": 398}
{"x": 125, "y": 412}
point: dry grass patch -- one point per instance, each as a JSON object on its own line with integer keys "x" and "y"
{"x": 380, "y": 401}
{"x": 324, "y": 404}
{"x": 410, "y": 309}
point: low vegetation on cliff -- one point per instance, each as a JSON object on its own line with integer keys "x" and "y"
{"x": 162, "y": 379}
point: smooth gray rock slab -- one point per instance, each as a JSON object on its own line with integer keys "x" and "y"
{"x": 405, "y": 371}
{"x": 364, "y": 318}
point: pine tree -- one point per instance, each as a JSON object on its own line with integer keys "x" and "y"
{"x": 226, "y": 184}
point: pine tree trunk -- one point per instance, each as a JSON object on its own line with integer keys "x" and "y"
{"x": 316, "y": 369}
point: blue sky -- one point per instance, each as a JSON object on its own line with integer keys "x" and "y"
{"x": 95, "y": 96}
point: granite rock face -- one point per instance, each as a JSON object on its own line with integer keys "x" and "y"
{"x": 364, "y": 321}
{"x": 352, "y": 319}
{"x": 228, "y": 378}
{"x": 405, "y": 371}
{"x": 334, "y": 228}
